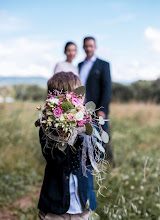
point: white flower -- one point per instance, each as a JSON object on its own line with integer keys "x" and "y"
{"x": 54, "y": 101}
{"x": 61, "y": 118}
{"x": 68, "y": 96}
{"x": 79, "y": 116}
{"x": 132, "y": 187}
{"x": 158, "y": 206}
{"x": 141, "y": 187}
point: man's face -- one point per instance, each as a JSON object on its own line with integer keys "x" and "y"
{"x": 71, "y": 52}
{"x": 89, "y": 47}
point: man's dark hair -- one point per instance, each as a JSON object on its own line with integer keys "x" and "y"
{"x": 89, "y": 38}
{"x": 68, "y": 44}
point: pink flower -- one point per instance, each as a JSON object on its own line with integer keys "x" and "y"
{"x": 58, "y": 111}
{"x": 81, "y": 123}
{"x": 71, "y": 117}
{"x": 80, "y": 107}
{"x": 75, "y": 101}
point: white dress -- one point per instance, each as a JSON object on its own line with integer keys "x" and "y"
{"x": 65, "y": 67}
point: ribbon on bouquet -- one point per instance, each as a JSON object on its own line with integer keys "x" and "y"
{"x": 87, "y": 145}
{"x": 74, "y": 134}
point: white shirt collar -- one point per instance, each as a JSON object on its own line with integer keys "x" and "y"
{"x": 92, "y": 59}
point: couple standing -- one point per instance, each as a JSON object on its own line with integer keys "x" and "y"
{"x": 95, "y": 76}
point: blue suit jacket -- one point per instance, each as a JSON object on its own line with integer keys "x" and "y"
{"x": 98, "y": 85}
{"x": 55, "y": 195}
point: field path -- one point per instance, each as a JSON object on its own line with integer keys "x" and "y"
{"x": 23, "y": 203}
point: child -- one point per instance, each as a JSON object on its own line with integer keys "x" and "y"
{"x": 66, "y": 193}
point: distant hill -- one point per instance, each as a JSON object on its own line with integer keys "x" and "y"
{"x": 5, "y": 81}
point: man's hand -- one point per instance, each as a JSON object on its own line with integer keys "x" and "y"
{"x": 101, "y": 113}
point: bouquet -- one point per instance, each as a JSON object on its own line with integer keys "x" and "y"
{"x": 65, "y": 113}
{"x": 65, "y": 116}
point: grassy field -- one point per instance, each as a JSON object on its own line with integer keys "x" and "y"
{"x": 133, "y": 187}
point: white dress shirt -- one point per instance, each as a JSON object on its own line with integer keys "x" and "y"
{"x": 65, "y": 67}
{"x": 75, "y": 204}
{"x": 86, "y": 68}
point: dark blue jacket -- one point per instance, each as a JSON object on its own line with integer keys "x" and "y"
{"x": 98, "y": 85}
{"x": 55, "y": 195}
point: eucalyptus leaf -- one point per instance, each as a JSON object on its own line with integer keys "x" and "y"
{"x": 96, "y": 134}
{"x": 101, "y": 120}
{"x": 105, "y": 137}
{"x": 37, "y": 123}
{"x": 90, "y": 106}
{"x": 89, "y": 129}
{"x": 62, "y": 148}
{"x": 69, "y": 88}
{"x": 100, "y": 147}
{"x": 80, "y": 90}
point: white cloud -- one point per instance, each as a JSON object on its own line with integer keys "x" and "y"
{"x": 135, "y": 70}
{"x": 28, "y": 57}
{"x": 153, "y": 36}
{"x": 146, "y": 67}
{"x": 33, "y": 57}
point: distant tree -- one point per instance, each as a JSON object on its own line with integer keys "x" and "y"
{"x": 121, "y": 92}
{"x": 155, "y": 91}
{"x": 142, "y": 90}
{"x": 35, "y": 93}
{"x": 30, "y": 92}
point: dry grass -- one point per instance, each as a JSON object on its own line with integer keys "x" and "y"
{"x": 135, "y": 137}
{"x": 145, "y": 112}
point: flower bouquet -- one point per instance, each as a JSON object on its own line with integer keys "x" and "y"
{"x": 65, "y": 116}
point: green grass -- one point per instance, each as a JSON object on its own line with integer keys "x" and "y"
{"x": 133, "y": 187}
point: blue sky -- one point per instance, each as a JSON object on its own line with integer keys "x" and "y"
{"x": 33, "y": 35}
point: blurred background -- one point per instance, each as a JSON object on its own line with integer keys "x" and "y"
{"x": 32, "y": 39}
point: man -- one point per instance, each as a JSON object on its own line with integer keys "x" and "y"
{"x": 95, "y": 75}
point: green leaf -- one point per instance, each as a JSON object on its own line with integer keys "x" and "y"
{"x": 67, "y": 105}
{"x": 100, "y": 147}
{"x": 96, "y": 134}
{"x": 80, "y": 90}
{"x": 62, "y": 148}
{"x": 101, "y": 120}
{"x": 105, "y": 137}
{"x": 69, "y": 88}
{"x": 90, "y": 106}
{"x": 37, "y": 123}
{"x": 89, "y": 129}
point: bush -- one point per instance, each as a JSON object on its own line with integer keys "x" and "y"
{"x": 121, "y": 93}
{"x": 142, "y": 90}
{"x": 30, "y": 92}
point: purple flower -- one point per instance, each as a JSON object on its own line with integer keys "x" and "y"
{"x": 81, "y": 123}
{"x": 75, "y": 101}
{"x": 58, "y": 111}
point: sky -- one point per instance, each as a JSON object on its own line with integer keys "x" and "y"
{"x": 33, "y": 34}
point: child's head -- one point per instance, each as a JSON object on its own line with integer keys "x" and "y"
{"x": 61, "y": 80}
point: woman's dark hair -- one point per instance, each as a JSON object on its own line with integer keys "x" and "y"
{"x": 68, "y": 44}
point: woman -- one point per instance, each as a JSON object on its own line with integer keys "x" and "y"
{"x": 67, "y": 66}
